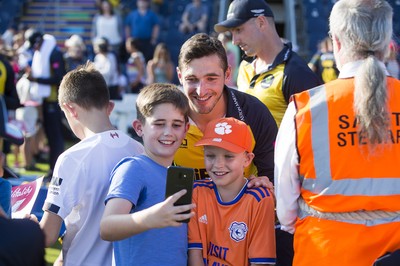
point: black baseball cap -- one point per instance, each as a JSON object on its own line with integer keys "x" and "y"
{"x": 241, "y": 11}
{"x": 9, "y": 131}
{"x": 35, "y": 37}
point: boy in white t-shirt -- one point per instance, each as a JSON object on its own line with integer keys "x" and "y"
{"x": 81, "y": 176}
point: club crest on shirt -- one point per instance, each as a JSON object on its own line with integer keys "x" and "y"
{"x": 184, "y": 144}
{"x": 267, "y": 81}
{"x": 238, "y": 231}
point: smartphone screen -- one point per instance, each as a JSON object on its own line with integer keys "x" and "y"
{"x": 179, "y": 178}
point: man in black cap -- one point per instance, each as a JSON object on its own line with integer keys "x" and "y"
{"x": 273, "y": 73}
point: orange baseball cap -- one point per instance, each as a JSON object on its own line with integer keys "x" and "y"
{"x": 228, "y": 133}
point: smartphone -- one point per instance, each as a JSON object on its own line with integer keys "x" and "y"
{"x": 179, "y": 178}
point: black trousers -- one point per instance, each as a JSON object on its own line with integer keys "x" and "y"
{"x": 284, "y": 248}
{"x": 53, "y": 129}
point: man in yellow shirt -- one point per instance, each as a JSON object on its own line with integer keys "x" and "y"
{"x": 276, "y": 72}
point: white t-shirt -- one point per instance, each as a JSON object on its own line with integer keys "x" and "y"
{"x": 108, "y": 27}
{"x": 77, "y": 191}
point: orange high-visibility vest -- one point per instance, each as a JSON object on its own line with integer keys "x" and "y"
{"x": 338, "y": 174}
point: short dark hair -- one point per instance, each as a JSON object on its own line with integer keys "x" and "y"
{"x": 201, "y": 45}
{"x": 34, "y": 38}
{"x": 101, "y": 44}
{"x": 158, "y": 93}
{"x": 132, "y": 42}
{"x": 84, "y": 86}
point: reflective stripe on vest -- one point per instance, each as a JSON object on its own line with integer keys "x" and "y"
{"x": 350, "y": 217}
{"x": 319, "y": 110}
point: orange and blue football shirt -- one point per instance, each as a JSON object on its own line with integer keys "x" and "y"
{"x": 239, "y": 232}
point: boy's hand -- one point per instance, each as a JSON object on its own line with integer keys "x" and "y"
{"x": 31, "y": 217}
{"x": 165, "y": 214}
{"x": 2, "y": 213}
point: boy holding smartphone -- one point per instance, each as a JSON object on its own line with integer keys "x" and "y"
{"x": 233, "y": 224}
{"x": 135, "y": 202}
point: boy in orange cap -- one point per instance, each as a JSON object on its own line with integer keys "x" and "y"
{"x": 234, "y": 224}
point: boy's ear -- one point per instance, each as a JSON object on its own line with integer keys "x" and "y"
{"x": 110, "y": 107}
{"x": 138, "y": 127}
{"x": 249, "y": 158}
{"x": 70, "y": 108}
{"x": 187, "y": 127}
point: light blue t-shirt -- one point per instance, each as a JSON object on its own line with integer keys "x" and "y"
{"x": 142, "y": 181}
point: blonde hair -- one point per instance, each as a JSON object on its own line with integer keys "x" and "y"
{"x": 158, "y": 56}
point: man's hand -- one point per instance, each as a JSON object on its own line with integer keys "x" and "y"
{"x": 261, "y": 181}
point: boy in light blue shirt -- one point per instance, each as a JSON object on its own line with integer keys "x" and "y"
{"x": 137, "y": 217}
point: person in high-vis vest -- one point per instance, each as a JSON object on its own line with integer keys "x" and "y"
{"x": 337, "y": 151}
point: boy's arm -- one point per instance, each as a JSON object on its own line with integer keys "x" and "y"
{"x": 195, "y": 257}
{"x": 51, "y": 225}
{"x": 118, "y": 223}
